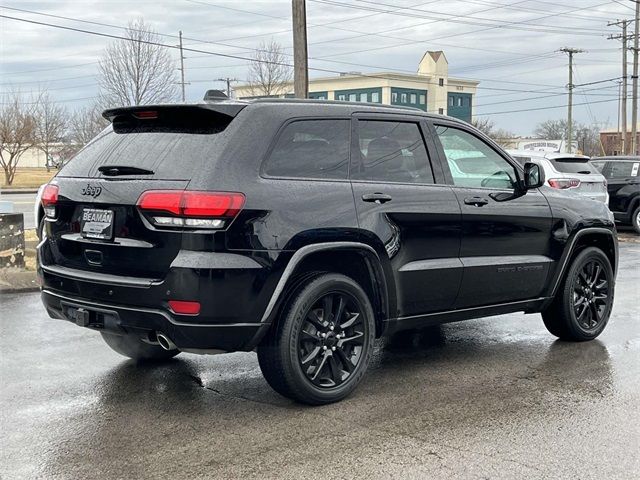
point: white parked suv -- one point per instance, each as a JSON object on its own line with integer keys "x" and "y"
{"x": 567, "y": 171}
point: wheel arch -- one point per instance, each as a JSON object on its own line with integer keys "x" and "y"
{"x": 356, "y": 260}
{"x": 602, "y": 238}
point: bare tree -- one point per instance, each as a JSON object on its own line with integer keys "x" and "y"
{"x": 137, "y": 71}
{"x": 501, "y": 136}
{"x": 269, "y": 71}
{"x": 85, "y": 124}
{"x": 554, "y": 129}
{"x": 485, "y": 125}
{"x": 51, "y": 122}
{"x": 17, "y": 132}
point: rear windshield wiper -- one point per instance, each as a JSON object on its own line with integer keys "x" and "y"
{"x": 115, "y": 170}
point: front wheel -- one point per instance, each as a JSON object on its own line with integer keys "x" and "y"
{"x": 322, "y": 344}
{"x": 582, "y": 306}
{"x": 132, "y": 346}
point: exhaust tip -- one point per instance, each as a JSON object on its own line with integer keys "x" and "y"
{"x": 165, "y": 342}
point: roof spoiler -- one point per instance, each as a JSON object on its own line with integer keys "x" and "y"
{"x": 150, "y": 112}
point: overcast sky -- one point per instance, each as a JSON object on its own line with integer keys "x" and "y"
{"x": 510, "y": 46}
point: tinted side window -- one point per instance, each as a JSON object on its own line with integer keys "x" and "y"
{"x": 311, "y": 149}
{"x": 621, "y": 169}
{"x": 472, "y": 162}
{"x": 391, "y": 152}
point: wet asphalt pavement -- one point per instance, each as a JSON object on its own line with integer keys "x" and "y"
{"x": 490, "y": 398}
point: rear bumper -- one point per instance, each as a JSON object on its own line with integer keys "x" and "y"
{"x": 120, "y": 319}
{"x": 598, "y": 196}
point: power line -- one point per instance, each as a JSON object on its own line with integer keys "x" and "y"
{"x": 219, "y": 54}
{"x": 543, "y": 108}
{"x": 441, "y": 37}
{"x": 458, "y": 19}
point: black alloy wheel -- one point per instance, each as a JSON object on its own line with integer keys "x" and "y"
{"x": 582, "y": 305}
{"x": 591, "y": 295}
{"x": 322, "y": 343}
{"x": 331, "y": 339}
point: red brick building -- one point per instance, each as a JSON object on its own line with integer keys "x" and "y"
{"x": 611, "y": 141}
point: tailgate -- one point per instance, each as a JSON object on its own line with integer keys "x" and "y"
{"x": 132, "y": 248}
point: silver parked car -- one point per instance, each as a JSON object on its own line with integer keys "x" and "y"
{"x": 567, "y": 171}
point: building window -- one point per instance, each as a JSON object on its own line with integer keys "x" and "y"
{"x": 451, "y": 101}
{"x": 394, "y": 97}
{"x": 414, "y": 98}
{"x": 441, "y": 111}
{"x": 363, "y": 97}
{"x": 375, "y": 97}
{"x": 423, "y": 99}
{"x": 342, "y": 97}
{"x": 353, "y": 97}
{"x": 459, "y": 101}
{"x": 403, "y": 98}
{"x": 441, "y": 82}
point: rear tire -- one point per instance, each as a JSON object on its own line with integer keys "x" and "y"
{"x": 635, "y": 220}
{"x": 131, "y": 346}
{"x": 582, "y": 306}
{"x": 322, "y": 344}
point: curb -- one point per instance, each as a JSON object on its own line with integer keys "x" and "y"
{"x": 11, "y": 191}
{"x": 14, "y": 280}
{"x": 9, "y": 291}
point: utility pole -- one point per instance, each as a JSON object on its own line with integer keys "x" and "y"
{"x": 300, "y": 58}
{"x": 625, "y": 88}
{"x": 228, "y": 81}
{"x": 571, "y": 52}
{"x": 634, "y": 78}
{"x": 182, "y": 84}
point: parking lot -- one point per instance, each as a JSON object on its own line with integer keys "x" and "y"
{"x": 490, "y": 398}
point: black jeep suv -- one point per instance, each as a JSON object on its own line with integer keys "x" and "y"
{"x": 623, "y": 183}
{"x": 307, "y": 229}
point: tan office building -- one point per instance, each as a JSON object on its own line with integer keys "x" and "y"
{"x": 430, "y": 89}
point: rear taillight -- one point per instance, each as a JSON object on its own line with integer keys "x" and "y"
{"x": 191, "y": 209}
{"x": 564, "y": 183}
{"x": 49, "y": 200}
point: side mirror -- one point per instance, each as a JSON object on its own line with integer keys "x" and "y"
{"x": 533, "y": 176}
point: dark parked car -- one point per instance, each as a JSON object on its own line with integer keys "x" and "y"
{"x": 307, "y": 229}
{"x": 623, "y": 183}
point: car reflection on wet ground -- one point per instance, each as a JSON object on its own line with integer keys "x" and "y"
{"x": 495, "y": 398}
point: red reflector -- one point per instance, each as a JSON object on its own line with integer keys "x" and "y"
{"x": 184, "y": 308}
{"x": 146, "y": 114}
{"x": 192, "y": 203}
{"x": 50, "y": 195}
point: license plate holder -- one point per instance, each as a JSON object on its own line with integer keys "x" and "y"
{"x": 96, "y": 223}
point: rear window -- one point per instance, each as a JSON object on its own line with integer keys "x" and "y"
{"x": 172, "y": 149}
{"x": 573, "y": 165}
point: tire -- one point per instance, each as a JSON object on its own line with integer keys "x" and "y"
{"x": 635, "y": 220}
{"x": 131, "y": 346}
{"x": 582, "y": 306}
{"x": 312, "y": 357}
